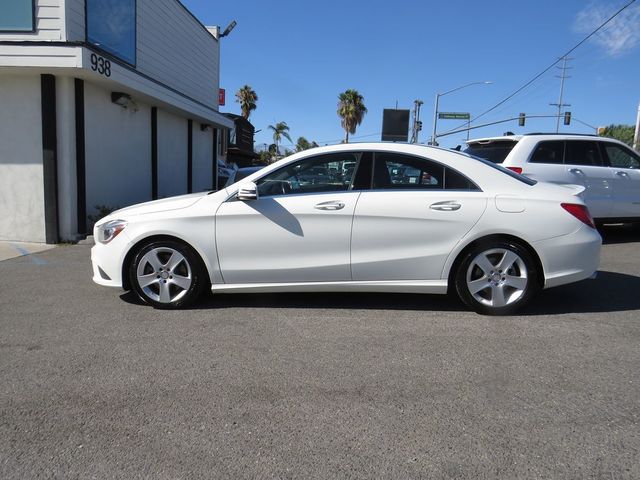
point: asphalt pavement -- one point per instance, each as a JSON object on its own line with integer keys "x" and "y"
{"x": 95, "y": 385}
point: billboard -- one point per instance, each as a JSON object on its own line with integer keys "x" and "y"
{"x": 395, "y": 125}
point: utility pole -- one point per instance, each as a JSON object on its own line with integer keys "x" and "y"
{"x": 636, "y": 138}
{"x": 562, "y": 78}
{"x": 417, "y": 124}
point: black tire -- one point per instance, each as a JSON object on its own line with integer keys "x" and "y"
{"x": 507, "y": 290}
{"x": 175, "y": 272}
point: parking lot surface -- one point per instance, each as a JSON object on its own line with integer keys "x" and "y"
{"x": 95, "y": 385}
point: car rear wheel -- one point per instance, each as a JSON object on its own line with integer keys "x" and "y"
{"x": 497, "y": 278}
{"x": 167, "y": 274}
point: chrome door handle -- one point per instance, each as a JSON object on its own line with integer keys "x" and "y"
{"x": 622, "y": 174}
{"x": 445, "y": 206}
{"x": 331, "y": 205}
{"x": 577, "y": 171}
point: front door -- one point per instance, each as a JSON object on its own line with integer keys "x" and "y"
{"x": 298, "y": 230}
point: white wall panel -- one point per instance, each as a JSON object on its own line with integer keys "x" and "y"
{"x": 21, "y": 177}
{"x": 172, "y": 154}
{"x": 202, "y": 158}
{"x": 118, "y": 151}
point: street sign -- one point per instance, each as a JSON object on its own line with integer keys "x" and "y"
{"x": 454, "y": 116}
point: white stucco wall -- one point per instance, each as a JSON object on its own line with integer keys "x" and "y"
{"x": 202, "y": 158}
{"x": 172, "y": 154}
{"x": 118, "y": 151}
{"x": 21, "y": 180}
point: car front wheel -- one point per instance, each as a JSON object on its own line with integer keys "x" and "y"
{"x": 497, "y": 278}
{"x": 167, "y": 274}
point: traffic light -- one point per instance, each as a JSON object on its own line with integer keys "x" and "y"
{"x": 521, "y": 119}
{"x": 419, "y": 123}
{"x": 567, "y": 118}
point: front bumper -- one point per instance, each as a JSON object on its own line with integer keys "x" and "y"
{"x": 107, "y": 261}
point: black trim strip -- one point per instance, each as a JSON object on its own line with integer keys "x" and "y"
{"x": 49, "y": 157}
{"x": 116, "y": 60}
{"x": 33, "y": 21}
{"x": 190, "y": 156}
{"x": 154, "y": 153}
{"x": 214, "y": 160}
{"x": 81, "y": 179}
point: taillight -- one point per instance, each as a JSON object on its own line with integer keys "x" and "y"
{"x": 581, "y": 212}
{"x": 518, "y": 170}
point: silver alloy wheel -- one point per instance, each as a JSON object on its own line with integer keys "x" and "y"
{"x": 497, "y": 277}
{"x": 164, "y": 275}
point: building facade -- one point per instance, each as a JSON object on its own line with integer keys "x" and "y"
{"x": 103, "y": 104}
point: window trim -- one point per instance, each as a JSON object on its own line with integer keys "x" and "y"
{"x": 419, "y": 157}
{"x": 109, "y": 53}
{"x": 33, "y": 22}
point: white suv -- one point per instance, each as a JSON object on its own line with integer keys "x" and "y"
{"x": 608, "y": 169}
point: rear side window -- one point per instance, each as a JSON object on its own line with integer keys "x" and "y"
{"x": 549, "y": 152}
{"x": 394, "y": 171}
{"x": 495, "y": 151}
{"x": 580, "y": 152}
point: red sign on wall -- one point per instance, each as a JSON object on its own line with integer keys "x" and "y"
{"x": 221, "y": 96}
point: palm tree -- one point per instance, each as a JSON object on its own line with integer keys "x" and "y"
{"x": 351, "y": 111}
{"x": 280, "y": 129}
{"x": 247, "y": 98}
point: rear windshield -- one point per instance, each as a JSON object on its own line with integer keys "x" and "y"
{"x": 495, "y": 152}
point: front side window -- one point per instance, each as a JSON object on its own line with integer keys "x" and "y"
{"x": 620, "y": 157}
{"x": 549, "y": 152}
{"x": 325, "y": 173}
{"x": 111, "y": 26}
{"x": 580, "y": 152}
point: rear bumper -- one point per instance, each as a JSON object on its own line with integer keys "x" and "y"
{"x": 570, "y": 258}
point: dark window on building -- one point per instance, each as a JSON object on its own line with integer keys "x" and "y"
{"x": 549, "y": 152}
{"x": 17, "y": 16}
{"x": 111, "y": 26}
{"x": 579, "y": 152}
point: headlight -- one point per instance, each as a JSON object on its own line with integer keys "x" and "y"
{"x": 110, "y": 230}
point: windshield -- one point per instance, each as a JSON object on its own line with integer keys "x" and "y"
{"x": 494, "y": 151}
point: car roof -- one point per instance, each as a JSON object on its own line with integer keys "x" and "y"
{"x": 539, "y": 136}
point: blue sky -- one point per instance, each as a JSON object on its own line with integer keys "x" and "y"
{"x": 299, "y": 55}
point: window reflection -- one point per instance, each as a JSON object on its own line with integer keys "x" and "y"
{"x": 111, "y": 26}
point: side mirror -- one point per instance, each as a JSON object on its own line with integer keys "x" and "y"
{"x": 248, "y": 191}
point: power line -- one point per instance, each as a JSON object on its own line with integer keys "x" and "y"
{"x": 509, "y": 97}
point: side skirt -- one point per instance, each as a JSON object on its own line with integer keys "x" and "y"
{"x": 395, "y": 286}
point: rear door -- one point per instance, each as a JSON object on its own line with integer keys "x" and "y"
{"x": 406, "y": 226}
{"x": 585, "y": 166}
{"x": 625, "y": 166}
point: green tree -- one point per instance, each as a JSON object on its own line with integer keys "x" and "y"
{"x": 351, "y": 111}
{"x": 247, "y": 99}
{"x": 280, "y": 129}
{"x": 304, "y": 144}
{"x": 624, "y": 133}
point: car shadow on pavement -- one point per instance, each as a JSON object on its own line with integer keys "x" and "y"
{"x": 609, "y": 292}
{"x": 614, "y": 234}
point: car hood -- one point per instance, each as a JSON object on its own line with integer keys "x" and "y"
{"x": 163, "y": 205}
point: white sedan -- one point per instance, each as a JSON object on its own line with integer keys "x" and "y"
{"x": 356, "y": 218}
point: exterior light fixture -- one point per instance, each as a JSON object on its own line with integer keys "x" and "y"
{"x": 227, "y": 30}
{"x": 205, "y": 126}
{"x": 123, "y": 100}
